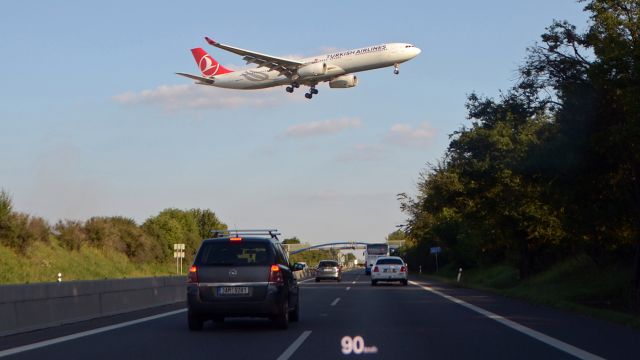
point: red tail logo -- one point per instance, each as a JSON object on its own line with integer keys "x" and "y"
{"x": 208, "y": 65}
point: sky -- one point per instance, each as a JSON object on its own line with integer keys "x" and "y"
{"x": 94, "y": 122}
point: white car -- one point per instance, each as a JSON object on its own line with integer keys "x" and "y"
{"x": 389, "y": 268}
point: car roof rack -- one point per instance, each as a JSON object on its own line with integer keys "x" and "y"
{"x": 273, "y": 233}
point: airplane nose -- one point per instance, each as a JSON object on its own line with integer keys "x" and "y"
{"x": 417, "y": 51}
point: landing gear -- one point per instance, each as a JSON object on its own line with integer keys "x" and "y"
{"x": 312, "y": 91}
{"x": 396, "y": 69}
{"x": 294, "y": 85}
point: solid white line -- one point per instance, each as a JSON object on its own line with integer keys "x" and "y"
{"x": 335, "y": 302}
{"x": 353, "y": 282}
{"x": 348, "y": 288}
{"x": 295, "y": 345}
{"x": 40, "y": 344}
{"x": 560, "y": 345}
{"x": 306, "y": 280}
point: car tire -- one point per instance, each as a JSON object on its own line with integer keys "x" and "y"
{"x": 195, "y": 321}
{"x": 405, "y": 282}
{"x": 218, "y": 319}
{"x": 339, "y": 279}
{"x": 317, "y": 280}
{"x": 281, "y": 320}
{"x": 294, "y": 315}
{"x": 374, "y": 282}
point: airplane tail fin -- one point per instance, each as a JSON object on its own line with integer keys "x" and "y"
{"x": 208, "y": 65}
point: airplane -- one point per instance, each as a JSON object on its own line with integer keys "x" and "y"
{"x": 337, "y": 68}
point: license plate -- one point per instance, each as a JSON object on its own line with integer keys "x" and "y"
{"x": 385, "y": 270}
{"x": 233, "y": 290}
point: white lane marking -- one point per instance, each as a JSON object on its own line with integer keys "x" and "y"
{"x": 306, "y": 280}
{"x": 348, "y": 288}
{"x": 353, "y": 282}
{"x": 335, "y": 302}
{"x": 560, "y": 345}
{"x": 295, "y": 345}
{"x": 44, "y": 343}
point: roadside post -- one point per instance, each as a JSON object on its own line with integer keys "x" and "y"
{"x": 459, "y": 274}
{"x": 436, "y": 250}
{"x": 178, "y": 254}
{"x": 59, "y": 277}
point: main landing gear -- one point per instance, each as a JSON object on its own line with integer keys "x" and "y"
{"x": 396, "y": 69}
{"x": 294, "y": 85}
{"x": 312, "y": 91}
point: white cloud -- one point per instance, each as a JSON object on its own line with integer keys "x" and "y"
{"x": 187, "y": 96}
{"x": 326, "y": 127}
{"x": 405, "y": 135}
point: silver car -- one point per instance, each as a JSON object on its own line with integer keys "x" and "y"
{"x": 329, "y": 269}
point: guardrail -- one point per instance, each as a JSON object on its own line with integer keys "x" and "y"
{"x": 28, "y": 307}
{"x": 36, "y": 306}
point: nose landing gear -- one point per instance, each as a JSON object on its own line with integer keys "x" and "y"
{"x": 396, "y": 69}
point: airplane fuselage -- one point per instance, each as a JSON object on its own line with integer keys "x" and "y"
{"x": 338, "y": 63}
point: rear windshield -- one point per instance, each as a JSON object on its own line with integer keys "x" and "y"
{"x": 231, "y": 253}
{"x": 328, "y": 264}
{"x": 389, "y": 262}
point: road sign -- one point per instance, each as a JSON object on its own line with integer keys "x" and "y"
{"x": 178, "y": 254}
{"x": 435, "y": 250}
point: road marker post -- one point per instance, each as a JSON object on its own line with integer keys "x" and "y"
{"x": 59, "y": 277}
{"x": 459, "y": 274}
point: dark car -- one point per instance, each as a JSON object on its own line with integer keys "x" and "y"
{"x": 329, "y": 269}
{"x": 239, "y": 274}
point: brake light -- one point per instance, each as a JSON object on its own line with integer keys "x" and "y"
{"x": 375, "y": 269}
{"x": 403, "y": 269}
{"x": 235, "y": 239}
{"x": 193, "y": 274}
{"x": 275, "y": 275}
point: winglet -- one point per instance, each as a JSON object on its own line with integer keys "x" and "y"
{"x": 211, "y": 41}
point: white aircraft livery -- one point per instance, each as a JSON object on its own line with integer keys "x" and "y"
{"x": 336, "y": 68}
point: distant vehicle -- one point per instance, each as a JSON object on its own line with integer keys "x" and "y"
{"x": 329, "y": 269}
{"x": 337, "y": 68}
{"x": 372, "y": 253}
{"x": 389, "y": 268}
{"x": 299, "y": 266}
{"x": 240, "y": 273}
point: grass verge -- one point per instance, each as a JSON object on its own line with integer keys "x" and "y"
{"x": 43, "y": 262}
{"x": 576, "y": 284}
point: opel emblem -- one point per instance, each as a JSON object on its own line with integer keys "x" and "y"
{"x": 233, "y": 272}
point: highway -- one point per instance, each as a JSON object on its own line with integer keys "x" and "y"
{"x": 420, "y": 321}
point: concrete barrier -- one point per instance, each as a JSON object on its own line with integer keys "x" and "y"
{"x": 36, "y": 306}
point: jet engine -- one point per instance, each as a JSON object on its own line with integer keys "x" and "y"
{"x": 314, "y": 69}
{"x": 344, "y": 81}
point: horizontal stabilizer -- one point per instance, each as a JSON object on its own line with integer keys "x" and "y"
{"x": 198, "y": 79}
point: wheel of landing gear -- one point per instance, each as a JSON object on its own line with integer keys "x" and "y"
{"x": 314, "y": 91}
{"x": 396, "y": 72}
{"x": 289, "y": 89}
{"x": 308, "y": 96}
{"x": 295, "y": 85}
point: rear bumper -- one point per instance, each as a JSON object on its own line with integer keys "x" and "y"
{"x": 330, "y": 275}
{"x": 269, "y": 306}
{"x": 378, "y": 276}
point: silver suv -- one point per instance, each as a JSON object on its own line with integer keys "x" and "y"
{"x": 241, "y": 273}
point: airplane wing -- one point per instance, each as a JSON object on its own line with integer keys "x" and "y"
{"x": 284, "y": 66}
{"x": 199, "y": 79}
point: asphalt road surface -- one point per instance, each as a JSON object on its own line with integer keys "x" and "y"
{"x": 420, "y": 321}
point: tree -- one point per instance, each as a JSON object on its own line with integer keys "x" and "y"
{"x": 293, "y": 240}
